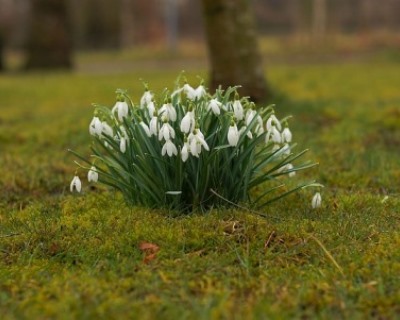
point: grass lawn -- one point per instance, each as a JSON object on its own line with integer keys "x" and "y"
{"x": 71, "y": 256}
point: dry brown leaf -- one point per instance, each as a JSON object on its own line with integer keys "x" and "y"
{"x": 150, "y": 247}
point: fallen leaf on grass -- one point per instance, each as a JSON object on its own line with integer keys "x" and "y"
{"x": 150, "y": 250}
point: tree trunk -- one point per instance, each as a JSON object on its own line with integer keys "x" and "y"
{"x": 1, "y": 52}
{"x": 232, "y": 44}
{"x": 49, "y": 43}
{"x": 319, "y": 19}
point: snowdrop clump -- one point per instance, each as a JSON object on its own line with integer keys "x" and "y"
{"x": 192, "y": 149}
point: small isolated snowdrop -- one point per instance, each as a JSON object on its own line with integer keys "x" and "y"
{"x": 316, "y": 200}
{"x": 233, "y": 134}
{"x": 75, "y": 184}
{"x": 166, "y": 132}
{"x": 215, "y": 106}
{"x": 167, "y": 111}
{"x": 93, "y": 175}
{"x": 238, "y": 109}
{"x": 188, "y": 122}
{"x": 286, "y": 135}
{"x": 169, "y": 148}
{"x": 273, "y": 122}
{"x": 146, "y": 98}
{"x": 95, "y": 127}
{"x": 122, "y": 110}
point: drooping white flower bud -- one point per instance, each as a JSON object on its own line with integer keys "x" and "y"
{"x": 166, "y": 132}
{"x": 188, "y": 122}
{"x": 199, "y": 92}
{"x": 286, "y": 135}
{"x": 316, "y": 200}
{"x": 106, "y": 129}
{"x": 169, "y": 148}
{"x": 238, "y": 109}
{"x": 215, "y": 106}
{"x": 168, "y": 111}
{"x": 273, "y": 122}
{"x": 185, "y": 152}
{"x": 273, "y": 135}
{"x": 122, "y": 144}
{"x": 122, "y": 109}
{"x": 146, "y": 98}
{"x": 154, "y": 126}
{"x": 95, "y": 127}
{"x": 190, "y": 92}
{"x": 75, "y": 184}
{"x": 233, "y": 135}
{"x": 93, "y": 175}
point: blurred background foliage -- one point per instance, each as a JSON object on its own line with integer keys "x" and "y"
{"x": 176, "y": 27}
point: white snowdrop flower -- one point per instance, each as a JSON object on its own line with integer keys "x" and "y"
{"x": 196, "y": 141}
{"x": 95, "y": 127}
{"x": 151, "y": 107}
{"x": 238, "y": 109}
{"x": 122, "y": 144}
{"x": 106, "y": 129}
{"x": 316, "y": 201}
{"x": 249, "y": 134}
{"x": 145, "y": 128}
{"x": 214, "y": 105}
{"x": 146, "y": 98}
{"x": 185, "y": 152}
{"x": 188, "y": 122}
{"x": 233, "y": 135}
{"x": 273, "y": 122}
{"x": 250, "y": 114}
{"x": 273, "y": 135}
{"x": 169, "y": 148}
{"x": 93, "y": 175}
{"x": 168, "y": 111}
{"x": 289, "y": 167}
{"x": 122, "y": 109}
{"x": 154, "y": 126}
{"x": 286, "y": 135}
{"x": 166, "y": 132}
{"x": 190, "y": 92}
{"x": 199, "y": 92}
{"x": 75, "y": 184}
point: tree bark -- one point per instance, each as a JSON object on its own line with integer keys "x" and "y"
{"x": 233, "y": 50}
{"x": 1, "y": 52}
{"x": 49, "y": 43}
{"x": 319, "y": 19}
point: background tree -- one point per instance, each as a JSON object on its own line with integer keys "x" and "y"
{"x": 1, "y": 52}
{"x": 232, "y": 45}
{"x": 49, "y": 43}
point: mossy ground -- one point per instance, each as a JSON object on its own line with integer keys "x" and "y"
{"x": 70, "y": 256}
